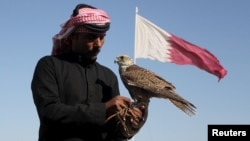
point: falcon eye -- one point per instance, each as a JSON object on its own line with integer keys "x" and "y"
{"x": 122, "y": 57}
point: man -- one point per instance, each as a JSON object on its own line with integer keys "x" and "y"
{"x": 75, "y": 95}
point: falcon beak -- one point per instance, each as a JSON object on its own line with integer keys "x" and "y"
{"x": 116, "y": 60}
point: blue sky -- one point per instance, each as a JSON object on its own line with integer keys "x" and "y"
{"x": 222, "y": 27}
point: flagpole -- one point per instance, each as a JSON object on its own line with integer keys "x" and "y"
{"x": 136, "y": 12}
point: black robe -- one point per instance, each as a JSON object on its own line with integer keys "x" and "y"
{"x": 69, "y": 93}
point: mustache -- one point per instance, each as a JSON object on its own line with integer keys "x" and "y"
{"x": 94, "y": 51}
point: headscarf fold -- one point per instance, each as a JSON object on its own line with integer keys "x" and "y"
{"x": 88, "y": 19}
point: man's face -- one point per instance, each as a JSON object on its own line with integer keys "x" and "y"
{"x": 88, "y": 44}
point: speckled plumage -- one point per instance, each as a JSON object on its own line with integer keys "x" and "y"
{"x": 144, "y": 84}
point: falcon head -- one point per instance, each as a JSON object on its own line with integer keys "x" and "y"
{"x": 124, "y": 61}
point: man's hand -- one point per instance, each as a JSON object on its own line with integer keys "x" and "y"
{"x": 136, "y": 114}
{"x": 131, "y": 116}
{"x": 117, "y": 104}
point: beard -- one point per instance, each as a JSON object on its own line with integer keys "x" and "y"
{"x": 92, "y": 55}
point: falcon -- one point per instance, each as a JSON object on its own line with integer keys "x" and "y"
{"x": 143, "y": 84}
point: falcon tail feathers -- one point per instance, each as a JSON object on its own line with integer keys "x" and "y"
{"x": 188, "y": 107}
{"x": 180, "y": 102}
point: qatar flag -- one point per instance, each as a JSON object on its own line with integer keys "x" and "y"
{"x": 154, "y": 43}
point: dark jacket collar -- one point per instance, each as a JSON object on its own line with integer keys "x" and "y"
{"x": 77, "y": 58}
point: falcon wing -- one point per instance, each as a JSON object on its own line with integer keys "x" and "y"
{"x": 147, "y": 83}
